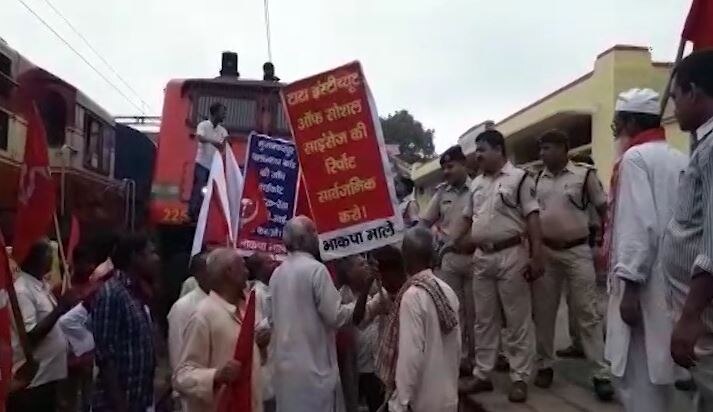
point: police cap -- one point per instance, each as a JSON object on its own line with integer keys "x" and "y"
{"x": 452, "y": 154}
{"x": 554, "y": 137}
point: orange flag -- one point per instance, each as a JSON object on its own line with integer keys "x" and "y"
{"x": 238, "y": 397}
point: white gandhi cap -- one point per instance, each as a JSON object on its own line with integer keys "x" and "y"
{"x": 638, "y": 101}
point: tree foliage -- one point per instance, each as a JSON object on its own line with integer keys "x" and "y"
{"x": 415, "y": 143}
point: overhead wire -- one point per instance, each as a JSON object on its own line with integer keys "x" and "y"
{"x": 96, "y": 52}
{"x": 84, "y": 59}
{"x": 267, "y": 30}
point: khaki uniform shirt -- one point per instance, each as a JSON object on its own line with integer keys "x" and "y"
{"x": 493, "y": 204}
{"x": 565, "y": 199}
{"x": 445, "y": 208}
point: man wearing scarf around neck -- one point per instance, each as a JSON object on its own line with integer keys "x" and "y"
{"x": 419, "y": 353}
{"x": 642, "y": 198}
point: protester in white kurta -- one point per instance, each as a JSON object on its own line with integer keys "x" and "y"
{"x": 648, "y": 175}
{"x": 207, "y": 362}
{"x": 183, "y": 309}
{"x": 427, "y": 367}
{"x": 187, "y": 286}
{"x": 306, "y": 311}
{"x": 262, "y": 293}
{"x": 178, "y": 318}
{"x": 429, "y": 339}
{"x": 260, "y": 266}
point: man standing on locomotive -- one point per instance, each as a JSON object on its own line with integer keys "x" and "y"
{"x": 211, "y": 136}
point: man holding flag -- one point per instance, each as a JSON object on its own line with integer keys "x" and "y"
{"x": 209, "y": 372}
{"x": 40, "y": 313}
{"x": 211, "y": 136}
{"x": 36, "y": 192}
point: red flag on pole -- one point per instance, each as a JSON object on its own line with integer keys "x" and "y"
{"x": 36, "y": 192}
{"x": 302, "y": 200}
{"x": 5, "y": 313}
{"x": 216, "y": 225}
{"x": 254, "y": 213}
{"x": 699, "y": 24}
{"x": 234, "y": 188}
{"x": 238, "y": 397}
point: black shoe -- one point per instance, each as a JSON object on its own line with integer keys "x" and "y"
{"x": 544, "y": 378}
{"x": 572, "y": 352}
{"x": 603, "y": 389}
{"x": 685, "y": 385}
{"x": 502, "y": 364}
{"x": 518, "y": 392}
{"x": 476, "y": 385}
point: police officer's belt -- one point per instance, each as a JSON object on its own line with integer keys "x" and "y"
{"x": 493, "y": 247}
{"x": 565, "y": 244}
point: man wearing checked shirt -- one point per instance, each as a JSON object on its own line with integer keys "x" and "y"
{"x": 688, "y": 240}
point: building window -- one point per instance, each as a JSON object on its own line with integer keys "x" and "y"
{"x": 4, "y": 130}
{"x": 53, "y": 110}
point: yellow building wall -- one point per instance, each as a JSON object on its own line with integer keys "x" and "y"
{"x": 615, "y": 70}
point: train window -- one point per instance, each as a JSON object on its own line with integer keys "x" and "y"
{"x": 79, "y": 118}
{"x": 54, "y": 116}
{"x": 241, "y": 113}
{"x": 92, "y": 143}
{"x": 5, "y": 65}
{"x": 4, "y": 130}
{"x": 5, "y": 75}
{"x": 107, "y": 149}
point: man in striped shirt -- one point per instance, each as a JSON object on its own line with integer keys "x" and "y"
{"x": 688, "y": 241}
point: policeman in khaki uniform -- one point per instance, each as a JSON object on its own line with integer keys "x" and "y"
{"x": 443, "y": 211}
{"x": 502, "y": 211}
{"x": 565, "y": 191}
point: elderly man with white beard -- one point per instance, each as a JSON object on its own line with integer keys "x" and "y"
{"x": 642, "y": 200}
{"x": 304, "y": 313}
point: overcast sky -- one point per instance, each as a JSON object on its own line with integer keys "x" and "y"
{"x": 452, "y": 63}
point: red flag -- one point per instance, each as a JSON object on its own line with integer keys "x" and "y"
{"x": 5, "y": 313}
{"x": 302, "y": 200}
{"x": 254, "y": 210}
{"x": 73, "y": 240}
{"x": 216, "y": 225}
{"x": 234, "y": 188}
{"x": 238, "y": 397}
{"x": 36, "y": 192}
{"x": 699, "y": 24}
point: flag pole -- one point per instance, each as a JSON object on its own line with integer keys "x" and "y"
{"x": 15, "y": 308}
{"x": 667, "y": 91}
{"x": 66, "y": 282}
